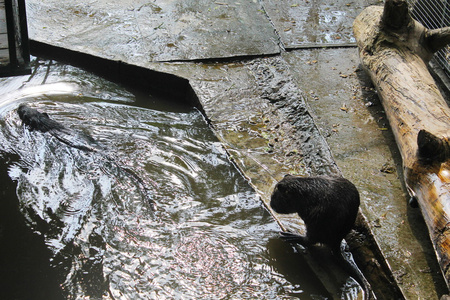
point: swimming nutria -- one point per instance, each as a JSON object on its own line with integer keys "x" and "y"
{"x": 328, "y": 206}
{"x": 37, "y": 120}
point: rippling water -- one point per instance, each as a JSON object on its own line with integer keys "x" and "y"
{"x": 208, "y": 236}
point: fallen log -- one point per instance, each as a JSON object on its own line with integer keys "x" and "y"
{"x": 395, "y": 49}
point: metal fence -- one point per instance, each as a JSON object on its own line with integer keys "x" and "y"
{"x": 434, "y": 14}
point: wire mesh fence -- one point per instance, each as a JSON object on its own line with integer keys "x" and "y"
{"x": 434, "y": 14}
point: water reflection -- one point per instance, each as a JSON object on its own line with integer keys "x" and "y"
{"x": 209, "y": 234}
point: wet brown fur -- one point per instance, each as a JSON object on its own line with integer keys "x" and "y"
{"x": 36, "y": 120}
{"x": 328, "y": 206}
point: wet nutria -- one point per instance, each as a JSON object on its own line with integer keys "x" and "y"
{"x": 36, "y": 120}
{"x": 328, "y": 206}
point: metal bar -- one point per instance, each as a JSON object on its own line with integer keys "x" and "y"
{"x": 11, "y": 33}
{"x": 24, "y": 31}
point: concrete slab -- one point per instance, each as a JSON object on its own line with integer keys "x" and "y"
{"x": 315, "y": 23}
{"x": 163, "y": 30}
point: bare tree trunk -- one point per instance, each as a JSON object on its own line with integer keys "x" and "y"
{"x": 395, "y": 49}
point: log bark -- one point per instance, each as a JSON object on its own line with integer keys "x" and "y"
{"x": 395, "y": 49}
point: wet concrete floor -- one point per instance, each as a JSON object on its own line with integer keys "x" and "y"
{"x": 309, "y": 110}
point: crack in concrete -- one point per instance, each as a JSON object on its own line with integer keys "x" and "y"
{"x": 280, "y": 42}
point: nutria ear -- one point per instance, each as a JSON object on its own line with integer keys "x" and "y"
{"x": 432, "y": 148}
{"x": 20, "y": 110}
{"x": 288, "y": 175}
{"x": 281, "y": 187}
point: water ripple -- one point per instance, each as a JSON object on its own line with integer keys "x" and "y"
{"x": 207, "y": 238}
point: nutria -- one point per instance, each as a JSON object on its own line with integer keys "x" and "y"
{"x": 328, "y": 206}
{"x": 39, "y": 121}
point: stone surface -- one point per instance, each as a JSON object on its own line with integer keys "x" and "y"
{"x": 315, "y": 23}
{"x": 141, "y": 31}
